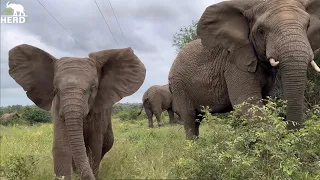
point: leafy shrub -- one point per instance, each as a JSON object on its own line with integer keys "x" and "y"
{"x": 185, "y": 35}
{"x": 33, "y": 114}
{"x": 119, "y": 107}
{"x": 260, "y": 147}
{"x": 18, "y": 168}
{"x": 131, "y": 114}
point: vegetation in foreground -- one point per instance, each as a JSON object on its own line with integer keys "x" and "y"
{"x": 231, "y": 146}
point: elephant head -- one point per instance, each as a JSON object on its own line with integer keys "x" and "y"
{"x": 72, "y": 86}
{"x": 282, "y": 33}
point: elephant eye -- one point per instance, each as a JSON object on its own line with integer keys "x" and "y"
{"x": 261, "y": 31}
{"x": 55, "y": 91}
{"x": 93, "y": 87}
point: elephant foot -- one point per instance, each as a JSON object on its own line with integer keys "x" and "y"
{"x": 151, "y": 126}
{"x": 62, "y": 177}
{"x": 88, "y": 177}
{"x": 160, "y": 124}
{"x": 294, "y": 127}
{"x": 192, "y": 137}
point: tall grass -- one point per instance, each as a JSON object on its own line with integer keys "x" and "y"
{"x": 138, "y": 152}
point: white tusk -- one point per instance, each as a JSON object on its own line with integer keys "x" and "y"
{"x": 273, "y": 62}
{"x": 315, "y": 66}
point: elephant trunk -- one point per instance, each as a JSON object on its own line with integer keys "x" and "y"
{"x": 294, "y": 56}
{"x": 293, "y": 79}
{"x": 74, "y": 112}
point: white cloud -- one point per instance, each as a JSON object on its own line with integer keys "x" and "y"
{"x": 148, "y": 27}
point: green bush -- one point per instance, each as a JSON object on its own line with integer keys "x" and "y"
{"x": 18, "y": 168}
{"x": 240, "y": 147}
{"x": 33, "y": 114}
{"x": 131, "y": 114}
{"x": 119, "y": 107}
{"x": 185, "y": 35}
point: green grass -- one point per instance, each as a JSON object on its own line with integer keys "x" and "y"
{"x": 26, "y": 148}
{"x": 138, "y": 152}
{"x": 230, "y": 147}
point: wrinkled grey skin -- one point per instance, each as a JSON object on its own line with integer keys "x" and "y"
{"x": 155, "y": 100}
{"x": 10, "y": 115}
{"x": 80, "y": 93}
{"x": 230, "y": 62}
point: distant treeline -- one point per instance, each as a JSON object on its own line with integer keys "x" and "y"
{"x": 18, "y": 114}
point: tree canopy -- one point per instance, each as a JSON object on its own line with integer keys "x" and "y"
{"x": 185, "y": 35}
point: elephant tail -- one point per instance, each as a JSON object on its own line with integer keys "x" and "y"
{"x": 142, "y": 106}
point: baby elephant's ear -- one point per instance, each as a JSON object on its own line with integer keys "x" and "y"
{"x": 122, "y": 74}
{"x": 32, "y": 68}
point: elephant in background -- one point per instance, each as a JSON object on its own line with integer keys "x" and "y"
{"x": 155, "y": 100}
{"x": 80, "y": 93}
{"x": 10, "y": 115}
{"x": 241, "y": 47}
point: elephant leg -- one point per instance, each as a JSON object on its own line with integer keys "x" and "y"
{"x": 189, "y": 124}
{"x": 187, "y": 115}
{"x": 107, "y": 140}
{"x": 179, "y": 120}
{"x": 157, "y": 110}
{"x": 94, "y": 151}
{"x": 199, "y": 117}
{"x": 243, "y": 87}
{"x": 62, "y": 157}
{"x": 171, "y": 116}
{"x": 149, "y": 115}
{"x": 158, "y": 117}
{"x": 74, "y": 168}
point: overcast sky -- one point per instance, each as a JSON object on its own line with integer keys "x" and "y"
{"x": 148, "y": 27}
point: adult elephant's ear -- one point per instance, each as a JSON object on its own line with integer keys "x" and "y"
{"x": 224, "y": 25}
{"x": 32, "y": 68}
{"x": 122, "y": 74}
{"x": 313, "y": 32}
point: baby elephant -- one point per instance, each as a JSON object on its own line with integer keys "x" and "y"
{"x": 157, "y": 99}
{"x": 80, "y": 93}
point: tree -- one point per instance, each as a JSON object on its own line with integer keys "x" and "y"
{"x": 185, "y": 35}
{"x": 33, "y": 114}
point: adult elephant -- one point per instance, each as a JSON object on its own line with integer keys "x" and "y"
{"x": 80, "y": 93}
{"x": 155, "y": 100}
{"x": 10, "y": 115}
{"x": 240, "y": 46}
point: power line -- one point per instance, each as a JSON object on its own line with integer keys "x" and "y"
{"x": 106, "y": 23}
{"x": 63, "y": 27}
{"x": 117, "y": 22}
